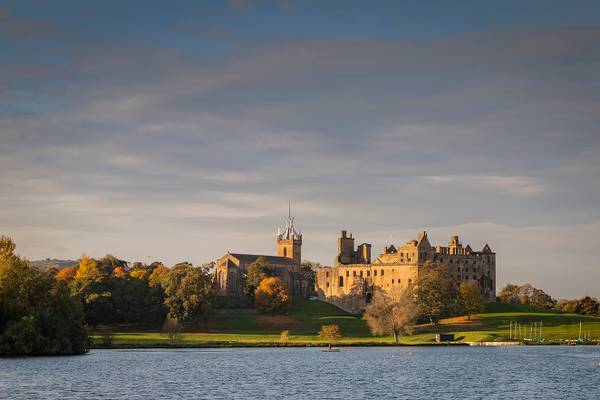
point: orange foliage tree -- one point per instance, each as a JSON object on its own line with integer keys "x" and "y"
{"x": 271, "y": 295}
{"x": 65, "y": 274}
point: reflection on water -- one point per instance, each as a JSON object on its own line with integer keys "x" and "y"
{"x": 299, "y": 373}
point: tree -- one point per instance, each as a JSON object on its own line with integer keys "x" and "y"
{"x": 158, "y": 276}
{"x": 66, "y": 274}
{"x": 189, "y": 293}
{"x": 526, "y": 294}
{"x": 330, "y": 333}
{"x": 392, "y": 313}
{"x": 37, "y": 314}
{"x": 435, "y": 292}
{"x": 87, "y": 270}
{"x": 271, "y": 295}
{"x": 509, "y": 294}
{"x": 7, "y": 248}
{"x": 539, "y": 298}
{"x": 587, "y": 306}
{"x": 255, "y": 274}
{"x": 567, "y": 306}
{"x": 470, "y": 298}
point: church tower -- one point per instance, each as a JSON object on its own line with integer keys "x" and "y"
{"x": 289, "y": 243}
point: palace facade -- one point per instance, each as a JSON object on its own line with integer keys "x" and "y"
{"x": 352, "y": 280}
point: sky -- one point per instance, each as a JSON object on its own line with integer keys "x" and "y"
{"x": 177, "y": 131}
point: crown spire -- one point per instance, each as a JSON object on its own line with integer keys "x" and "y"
{"x": 289, "y": 230}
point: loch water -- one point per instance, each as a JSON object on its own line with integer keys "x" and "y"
{"x": 530, "y": 372}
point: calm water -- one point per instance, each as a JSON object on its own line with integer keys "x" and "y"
{"x": 298, "y": 373}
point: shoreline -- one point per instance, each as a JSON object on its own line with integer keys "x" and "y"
{"x": 218, "y": 345}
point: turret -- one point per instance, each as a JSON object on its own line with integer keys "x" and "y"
{"x": 289, "y": 243}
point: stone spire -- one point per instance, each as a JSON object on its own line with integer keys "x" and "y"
{"x": 289, "y": 231}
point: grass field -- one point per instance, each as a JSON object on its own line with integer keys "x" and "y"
{"x": 305, "y": 318}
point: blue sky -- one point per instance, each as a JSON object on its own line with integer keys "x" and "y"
{"x": 179, "y": 131}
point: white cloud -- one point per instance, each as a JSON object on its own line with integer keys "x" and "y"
{"x": 521, "y": 185}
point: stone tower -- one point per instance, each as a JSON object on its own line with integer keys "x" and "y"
{"x": 289, "y": 243}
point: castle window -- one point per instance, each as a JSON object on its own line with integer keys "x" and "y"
{"x": 341, "y": 281}
{"x": 368, "y": 273}
{"x": 347, "y": 274}
{"x": 327, "y": 274}
{"x": 392, "y": 281}
{"x": 353, "y": 273}
{"x": 381, "y": 272}
{"x": 285, "y": 252}
{"x": 361, "y": 274}
{"x": 399, "y": 281}
{"x": 327, "y": 284}
{"x": 375, "y": 273}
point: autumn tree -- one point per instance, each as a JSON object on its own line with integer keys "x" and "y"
{"x": 271, "y": 295}
{"x": 435, "y": 292}
{"x": 470, "y": 298}
{"x": 255, "y": 274}
{"x": 392, "y": 313}
{"x": 65, "y": 274}
{"x": 330, "y": 333}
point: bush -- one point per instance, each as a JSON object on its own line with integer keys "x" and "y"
{"x": 285, "y": 336}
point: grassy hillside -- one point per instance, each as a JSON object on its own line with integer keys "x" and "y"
{"x": 305, "y": 318}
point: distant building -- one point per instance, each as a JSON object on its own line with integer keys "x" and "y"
{"x": 351, "y": 281}
{"x": 232, "y": 267}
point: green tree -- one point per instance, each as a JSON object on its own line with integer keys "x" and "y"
{"x": 189, "y": 293}
{"x": 587, "y": 306}
{"x": 255, "y": 274}
{"x": 392, "y": 313}
{"x": 470, "y": 298}
{"x": 510, "y": 294}
{"x": 435, "y": 292}
{"x": 539, "y": 298}
{"x": 37, "y": 314}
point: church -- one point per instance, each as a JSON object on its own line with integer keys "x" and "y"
{"x": 232, "y": 267}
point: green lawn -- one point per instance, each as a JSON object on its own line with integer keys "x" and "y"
{"x": 305, "y": 318}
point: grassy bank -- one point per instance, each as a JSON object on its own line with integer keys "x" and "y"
{"x": 305, "y": 318}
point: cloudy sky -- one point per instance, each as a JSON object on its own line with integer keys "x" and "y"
{"x": 179, "y": 130}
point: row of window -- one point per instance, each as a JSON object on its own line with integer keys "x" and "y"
{"x": 341, "y": 281}
{"x": 368, "y": 272}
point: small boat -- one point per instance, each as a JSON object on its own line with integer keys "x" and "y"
{"x": 330, "y": 350}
